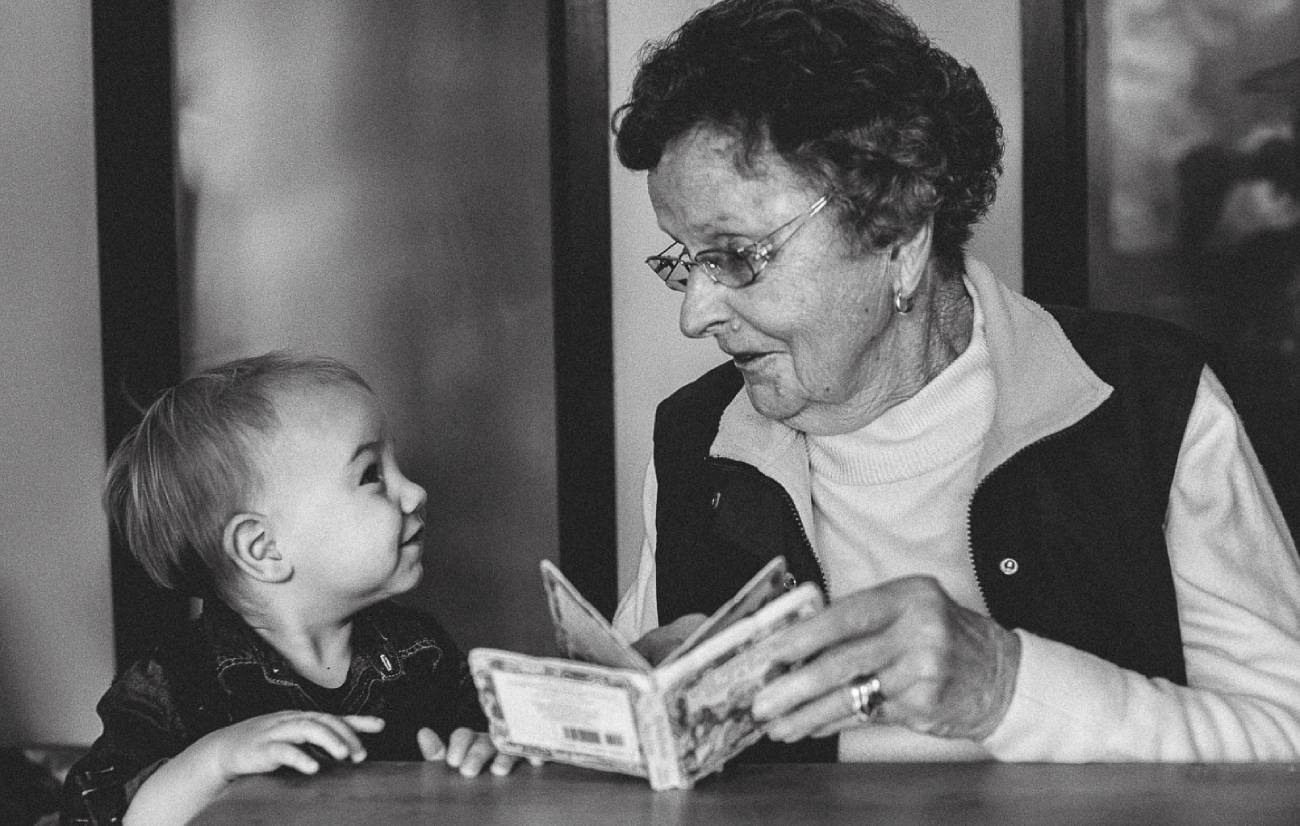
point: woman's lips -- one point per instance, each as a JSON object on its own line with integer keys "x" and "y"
{"x": 743, "y": 360}
{"x": 415, "y": 537}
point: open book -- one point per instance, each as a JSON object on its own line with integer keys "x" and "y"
{"x": 609, "y": 709}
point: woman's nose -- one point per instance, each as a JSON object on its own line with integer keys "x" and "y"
{"x": 704, "y": 306}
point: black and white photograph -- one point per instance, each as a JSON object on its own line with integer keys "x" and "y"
{"x": 334, "y": 333}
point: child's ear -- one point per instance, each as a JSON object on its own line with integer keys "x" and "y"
{"x": 247, "y": 541}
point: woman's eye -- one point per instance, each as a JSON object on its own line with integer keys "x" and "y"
{"x": 711, "y": 261}
{"x": 372, "y": 474}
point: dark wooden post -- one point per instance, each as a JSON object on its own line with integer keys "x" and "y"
{"x": 137, "y": 260}
{"x": 1054, "y": 45}
{"x": 584, "y": 350}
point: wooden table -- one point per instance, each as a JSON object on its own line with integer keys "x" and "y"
{"x": 956, "y": 793}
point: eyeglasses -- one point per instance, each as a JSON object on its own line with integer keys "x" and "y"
{"x": 736, "y": 267}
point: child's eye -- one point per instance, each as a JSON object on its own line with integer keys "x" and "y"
{"x": 372, "y": 474}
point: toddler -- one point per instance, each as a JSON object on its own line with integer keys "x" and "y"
{"x": 268, "y": 487}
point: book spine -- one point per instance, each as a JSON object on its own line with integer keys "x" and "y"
{"x": 663, "y": 763}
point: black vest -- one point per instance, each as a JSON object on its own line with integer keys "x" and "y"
{"x": 1067, "y": 536}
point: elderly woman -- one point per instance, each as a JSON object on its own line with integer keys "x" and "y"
{"x": 1042, "y": 532}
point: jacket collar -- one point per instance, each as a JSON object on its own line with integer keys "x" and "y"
{"x": 1042, "y": 386}
{"x": 235, "y": 643}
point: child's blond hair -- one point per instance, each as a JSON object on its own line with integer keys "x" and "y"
{"x": 191, "y": 464}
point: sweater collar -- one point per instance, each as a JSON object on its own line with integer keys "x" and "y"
{"x": 1043, "y": 384}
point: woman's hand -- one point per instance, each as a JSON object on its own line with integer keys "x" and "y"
{"x": 942, "y": 669}
{"x": 466, "y": 750}
{"x": 658, "y": 643}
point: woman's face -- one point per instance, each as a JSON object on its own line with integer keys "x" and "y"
{"x": 812, "y": 336}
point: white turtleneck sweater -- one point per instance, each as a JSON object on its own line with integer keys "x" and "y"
{"x": 890, "y": 500}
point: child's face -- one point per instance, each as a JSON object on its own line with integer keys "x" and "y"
{"x": 336, "y": 504}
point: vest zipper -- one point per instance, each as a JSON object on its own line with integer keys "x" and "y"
{"x": 970, "y": 542}
{"x": 803, "y": 534}
{"x": 741, "y": 467}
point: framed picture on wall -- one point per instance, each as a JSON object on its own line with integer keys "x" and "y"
{"x": 1161, "y": 179}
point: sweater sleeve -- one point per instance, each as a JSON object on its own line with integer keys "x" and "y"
{"x": 638, "y": 610}
{"x": 1237, "y": 582}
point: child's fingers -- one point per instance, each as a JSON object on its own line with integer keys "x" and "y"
{"x": 286, "y": 754}
{"x": 477, "y": 756}
{"x": 364, "y": 723}
{"x": 337, "y": 736}
{"x": 503, "y": 764}
{"x": 327, "y": 731}
{"x": 458, "y": 746}
{"x": 431, "y": 745}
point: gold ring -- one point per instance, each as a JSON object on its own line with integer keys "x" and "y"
{"x": 865, "y": 698}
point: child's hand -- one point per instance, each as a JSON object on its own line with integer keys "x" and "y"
{"x": 182, "y": 786}
{"x": 467, "y": 750}
{"x": 266, "y": 743}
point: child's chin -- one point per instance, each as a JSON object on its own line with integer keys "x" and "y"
{"x": 417, "y": 573}
{"x": 407, "y": 578}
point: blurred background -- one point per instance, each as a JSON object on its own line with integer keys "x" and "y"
{"x": 372, "y": 180}
{"x": 1194, "y": 184}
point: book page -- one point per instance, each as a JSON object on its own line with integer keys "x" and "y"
{"x": 709, "y": 691}
{"x": 580, "y": 630}
{"x": 560, "y": 710}
{"x": 762, "y": 588}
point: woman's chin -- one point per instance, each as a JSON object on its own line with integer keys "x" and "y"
{"x": 771, "y": 401}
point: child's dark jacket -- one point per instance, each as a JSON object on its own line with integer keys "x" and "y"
{"x": 217, "y": 671}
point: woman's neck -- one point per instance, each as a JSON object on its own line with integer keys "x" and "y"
{"x": 921, "y": 345}
{"x": 950, "y": 320}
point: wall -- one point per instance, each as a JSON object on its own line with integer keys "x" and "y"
{"x": 371, "y": 181}
{"x": 651, "y": 358}
{"x": 56, "y": 645}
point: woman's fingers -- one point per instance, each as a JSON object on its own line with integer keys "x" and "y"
{"x": 941, "y": 668}
{"x": 662, "y": 641}
{"x": 823, "y": 712}
{"x": 818, "y": 692}
{"x": 857, "y": 616}
{"x": 830, "y": 650}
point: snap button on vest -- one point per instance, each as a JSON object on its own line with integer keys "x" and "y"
{"x": 717, "y": 497}
{"x": 1008, "y": 566}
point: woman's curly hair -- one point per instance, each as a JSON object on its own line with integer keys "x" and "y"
{"x": 848, "y": 92}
